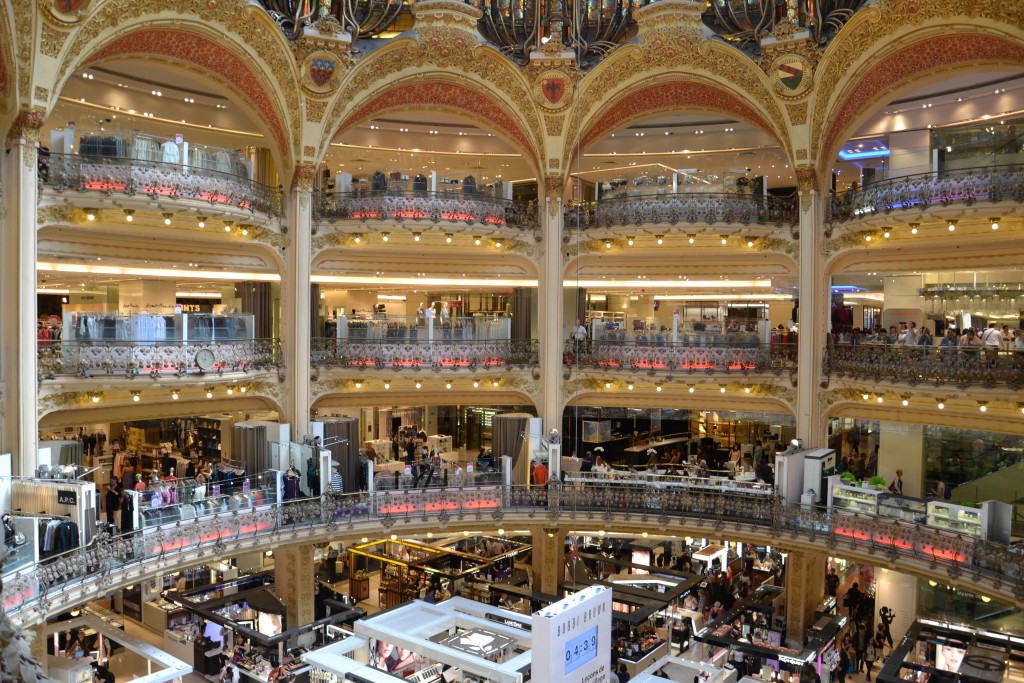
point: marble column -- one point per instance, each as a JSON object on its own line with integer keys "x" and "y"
{"x": 295, "y": 303}
{"x": 18, "y": 202}
{"x": 550, "y": 303}
{"x": 548, "y": 559}
{"x": 294, "y": 579}
{"x": 814, "y": 310}
{"x": 805, "y": 589}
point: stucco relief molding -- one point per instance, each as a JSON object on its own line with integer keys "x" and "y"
{"x": 872, "y": 25}
{"x": 265, "y": 47}
{"x": 458, "y": 53}
{"x": 26, "y": 127}
{"x": 835, "y": 246}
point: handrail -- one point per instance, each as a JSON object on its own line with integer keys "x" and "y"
{"x": 158, "y": 179}
{"x": 684, "y": 207}
{"x": 447, "y": 207}
{"x": 441, "y": 353}
{"x": 957, "y": 365}
{"x": 60, "y": 358}
{"x": 918, "y": 191}
{"x": 632, "y": 355}
{"x": 35, "y": 592}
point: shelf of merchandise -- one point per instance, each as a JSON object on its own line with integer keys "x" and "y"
{"x": 855, "y": 499}
{"x": 958, "y": 518}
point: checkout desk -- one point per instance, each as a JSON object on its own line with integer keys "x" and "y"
{"x": 638, "y": 655}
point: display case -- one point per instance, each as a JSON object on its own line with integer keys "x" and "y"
{"x": 855, "y": 499}
{"x": 440, "y": 443}
{"x": 899, "y": 507}
{"x": 205, "y": 327}
{"x": 161, "y": 615}
{"x": 958, "y": 518}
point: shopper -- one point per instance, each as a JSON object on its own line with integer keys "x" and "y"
{"x": 870, "y": 652}
{"x": 831, "y": 582}
{"x": 623, "y": 673}
{"x": 229, "y": 674}
{"x": 897, "y": 484}
{"x": 844, "y": 664}
{"x": 852, "y": 599}
{"x": 861, "y": 639}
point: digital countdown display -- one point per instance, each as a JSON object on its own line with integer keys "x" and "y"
{"x": 580, "y": 650}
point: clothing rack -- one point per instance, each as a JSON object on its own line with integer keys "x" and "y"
{"x": 47, "y": 495}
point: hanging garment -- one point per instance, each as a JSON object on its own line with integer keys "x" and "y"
{"x": 169, "y": 152}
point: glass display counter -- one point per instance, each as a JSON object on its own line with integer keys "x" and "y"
{"x": 958, "y": 518}
{"x": 905, "y": 509}
{"x": 855, "y": 499}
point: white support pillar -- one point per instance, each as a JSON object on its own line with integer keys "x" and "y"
{"x": 814, "y": 308}
{"x": 550, "y": 301}
{"x": 296, "y": 304}
{"x": 19, "y": 199}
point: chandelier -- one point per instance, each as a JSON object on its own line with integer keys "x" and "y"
{"x": 588, "y": 28}
{"x": 360, "y": 18}
{"x": 746, "y": 22}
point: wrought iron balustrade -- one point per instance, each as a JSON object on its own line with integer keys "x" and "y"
{"x": 32, "y": 593}
{"x": 446, "y": 354}
{"x": 434, "y": 207}
{"x": 131, "y": 358}
{"x": 920, "y": 191}
{"x": 959, "y": 366}
{"x": 743, "y": 359}
{"x": 157, "y": 179}
{"x": 705, "y": 208}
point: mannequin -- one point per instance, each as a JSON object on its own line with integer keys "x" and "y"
{"x": 140, "y": 485}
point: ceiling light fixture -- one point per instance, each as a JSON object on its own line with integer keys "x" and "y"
{"x": 385, "y": 235}
{"x": 416, "y": 236}
{"x": 95, "y": 398}
{"x": 629, "y": 241}
{"x": 940, "y": 403}
{"x": 136, "y": 396}
{"x": 983, "y": 406}
{"x": 128, "y": 215}
{"x": 691, "y": 239}
{"x": 607, "y": 244}
{"x": 476, "y": 240}
{"x": 887, "y": 233}
{"x": 448, "y": 237}
{"x": 202, "y": 221}
{"x": 952, "y": 225}
{"x": 995, "y": 223}
{"x": 174, "y": 395}
{"x": 358, "y": 238}
{"x": 167, "y": 217}
{"x": 90, "y": 214}
{"x": 497, "y": 244}
{"x": 660, "y": 238}
{"x": 913, "y": 228}
{"x": 725, "y": 240}
{"x": 494, "y": 383}
{"x": 387, "y": 385}
{"x": 691, "y": 388}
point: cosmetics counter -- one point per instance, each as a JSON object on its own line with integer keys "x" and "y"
{"x": 931, "y": 652}
{"x": 751, "y": 638}
{"x": 989, "y": 520}
{"x": 244, "y": 621}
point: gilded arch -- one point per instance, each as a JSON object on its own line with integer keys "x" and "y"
{"x": 226, "y": 39}
{"x": 886, "y": 47}
{"x": 453, "y": 54}
{"x": 445, "y": 94}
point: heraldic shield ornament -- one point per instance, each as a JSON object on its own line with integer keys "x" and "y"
{"x": 320, "y": 72}
{"x": 554, "y": 90}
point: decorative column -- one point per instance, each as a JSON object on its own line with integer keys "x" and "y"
{"x": 294, "y": 579}
{"x": 19, "y": 199}
{"x": 550, "y": 302}
{"x": 548, "y": 559}
{"x": 814, "y": 307}
{"x": 805, "y": 588}
{"x": 295, "y": 290}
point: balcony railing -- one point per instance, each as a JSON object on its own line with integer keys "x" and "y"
{"x": 156, "y": 179}
{"x": 35, "y": 592}
{"x": 451, "y": 208}
{"x": 958, "y": 366}
{"x": 454, "y": 355}
{"x": 131, "y": 358}
{"x": 760, "y": 358}
{"x": 920, "y": 191}
{"x": 708, "y": 208}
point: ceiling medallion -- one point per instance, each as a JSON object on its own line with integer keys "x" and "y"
{"x": 792, "y": 74}
{"x": 553, "y": 90}
{"x": 320, "y": 72}
{"x": 69, "y": 11}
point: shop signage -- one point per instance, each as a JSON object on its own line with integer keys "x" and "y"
{"x": 508, "y": 621}
{"x": 67, "y": 497}
{"x": 570, "y": 634}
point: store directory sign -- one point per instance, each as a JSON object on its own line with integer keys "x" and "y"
{"x": 572, "y": 638}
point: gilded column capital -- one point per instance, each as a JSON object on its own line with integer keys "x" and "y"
{"x": 303, "y": 178}
{"x": 807, "y": 181}
{"x": 26, "y": 127}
